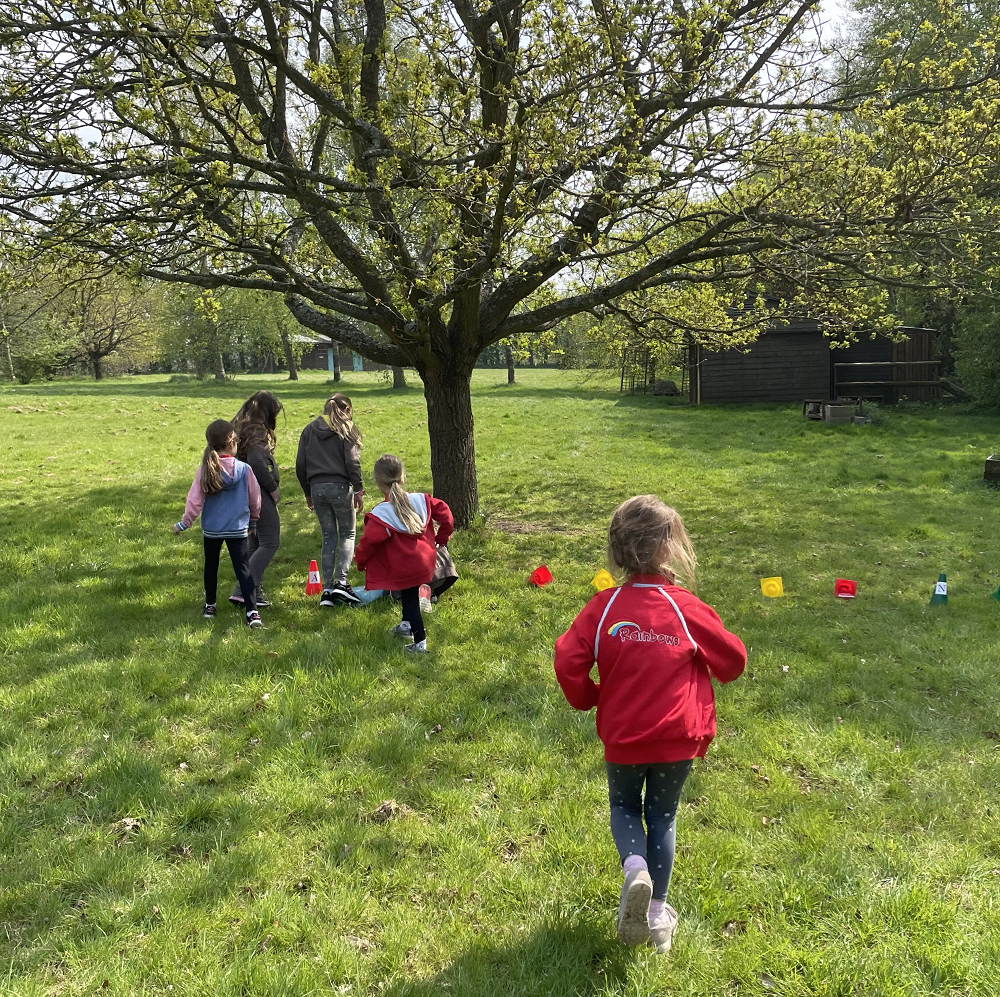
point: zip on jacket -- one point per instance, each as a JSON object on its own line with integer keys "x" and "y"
{"x": 657, "y": 648}
{"x": 232, "y": 511}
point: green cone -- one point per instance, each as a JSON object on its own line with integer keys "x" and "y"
{"x": 940, "y": 596}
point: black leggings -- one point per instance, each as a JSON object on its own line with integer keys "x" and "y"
{"x": 411, "y": 612}
{"x": 239, "y": 554}
{"x": 664, "y": 782}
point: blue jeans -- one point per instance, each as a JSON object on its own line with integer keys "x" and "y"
{"x": 333, "y": 503}
{"x": 656, "y": 841}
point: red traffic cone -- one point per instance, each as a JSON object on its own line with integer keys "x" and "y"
{"x": 313, "y": 585}
{"x": 540, "y": 576}
{"x": 844, "y": 588}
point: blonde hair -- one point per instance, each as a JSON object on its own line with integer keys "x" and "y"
{"x": 390, "y": 475}
{"x": 339, "y": 414}
{"x": 647, "y": 537}
{"x": 217, "y": 436}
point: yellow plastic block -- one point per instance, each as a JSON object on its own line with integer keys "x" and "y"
{"x": 602, "y": 580}
{"x": 772, "y": 587}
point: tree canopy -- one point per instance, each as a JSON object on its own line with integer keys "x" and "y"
{"x": 451, "y": 174}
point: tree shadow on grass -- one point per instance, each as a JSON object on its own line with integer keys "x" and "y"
{"x": 559, "y": 958}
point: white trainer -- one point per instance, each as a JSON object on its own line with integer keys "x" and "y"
{"x": 633, "y": 910}
{"x": 401, "y": 629}
{"x": 661, "y": 931}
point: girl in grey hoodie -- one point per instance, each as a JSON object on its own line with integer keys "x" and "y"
{"x": 328, "y": 466}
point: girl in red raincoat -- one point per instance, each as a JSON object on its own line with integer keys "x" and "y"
{"x": 399, "y": 547}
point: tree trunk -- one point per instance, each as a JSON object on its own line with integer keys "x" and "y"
{"x": 509, "y": 357}
{"x": 336, "y": 361}
{"x": 220, "y": 367}
{"x": 286, "y": 345}
{"x": 98, "y": 368}
{"x": 453, "y": 448}
{"x": 398, "y": 378}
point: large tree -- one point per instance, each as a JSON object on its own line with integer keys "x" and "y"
{"x": 452, "y": 173}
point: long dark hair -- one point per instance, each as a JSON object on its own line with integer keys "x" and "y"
{"x": 218, "y": 435}
{"x": 261, "y": 407}
{"x": 253, "y": 435}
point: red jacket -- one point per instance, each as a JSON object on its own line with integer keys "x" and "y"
{"x": 393, "y": 559}
{"x": 656, "y": 646}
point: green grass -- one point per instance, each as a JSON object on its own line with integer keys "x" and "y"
{"x": 190, "y": 808}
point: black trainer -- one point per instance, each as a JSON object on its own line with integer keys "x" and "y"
{"x": 328, "y": 598}
{"x": 345, "y": 594}
{"x": 209, "y": 611}
{"x": 261, "y": 598}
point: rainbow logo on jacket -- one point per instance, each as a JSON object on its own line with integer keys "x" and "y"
{"x": 637, "y": 633}
{"x": 613, "y": 631}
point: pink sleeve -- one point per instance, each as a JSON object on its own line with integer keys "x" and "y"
{"x": 195, "y": 501}
{"x": 254, "y": 496}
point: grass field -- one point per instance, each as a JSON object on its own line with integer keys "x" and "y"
{"x": 192, "y": 808}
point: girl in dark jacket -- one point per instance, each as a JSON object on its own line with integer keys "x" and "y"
{"x": 255, "y": 424}
{"x": 328, "y": 466}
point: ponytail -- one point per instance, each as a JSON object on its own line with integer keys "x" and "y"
{"x": 390, "y": 474}
{"x": 217, "y": 435}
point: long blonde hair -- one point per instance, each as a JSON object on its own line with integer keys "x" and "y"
{"x": 218, "y": 435}
{"x": 390, "y": 475}
{"x": 647, "y": 537}
{"x": 339, "y": 415}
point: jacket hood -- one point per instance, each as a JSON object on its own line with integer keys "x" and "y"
{"x": 228, "y": 463}
{"x": 322, "y": 428}
{"x": 386, "y": 514}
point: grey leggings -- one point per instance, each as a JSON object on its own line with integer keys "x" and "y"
{"x": 333, "y": 503}
{"x": 664, "y": 782}
{"x": 263, "y": 543}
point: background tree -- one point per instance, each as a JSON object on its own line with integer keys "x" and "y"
{"x": 205, "y": 330}
{"x": 454, "y": 174}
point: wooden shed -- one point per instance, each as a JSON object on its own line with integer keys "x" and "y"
{"x": 320, "y": 356}
{"x": 795, "y": 362}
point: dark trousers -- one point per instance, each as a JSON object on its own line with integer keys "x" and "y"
{"x": 411, "y": 612}
{"x": 656, "y": 841}
{"x": 239, "y": 554}
{"x": 263, "y": 543}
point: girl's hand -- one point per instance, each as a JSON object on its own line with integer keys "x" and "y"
{"x": 359, "y": 501}
{"x": 276, "y": 496}
{"x": 309, "y": 503}
{"x": 174, "y": 529}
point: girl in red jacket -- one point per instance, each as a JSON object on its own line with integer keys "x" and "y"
{"x": 399, "y": 546}
{"x": 657, "y": 648}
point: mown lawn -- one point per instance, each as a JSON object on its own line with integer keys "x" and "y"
{"x": 191, "y": 808}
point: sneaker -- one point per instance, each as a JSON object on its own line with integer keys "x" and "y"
{"x": 237, "y": 597}
{"x": 426, "y": 605}
{"x": 633, "y": 910}
{"x": 661, "y": 931}
{"x": 345, "y": 594}
{"x": 209, "y": 611}
{"x": 401, "y": 629}
{"x": 253, "y": 619}
{"x": 328, "y": 598}
{"x": 261, "y": 598}
{"x": 420, "y": 647}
